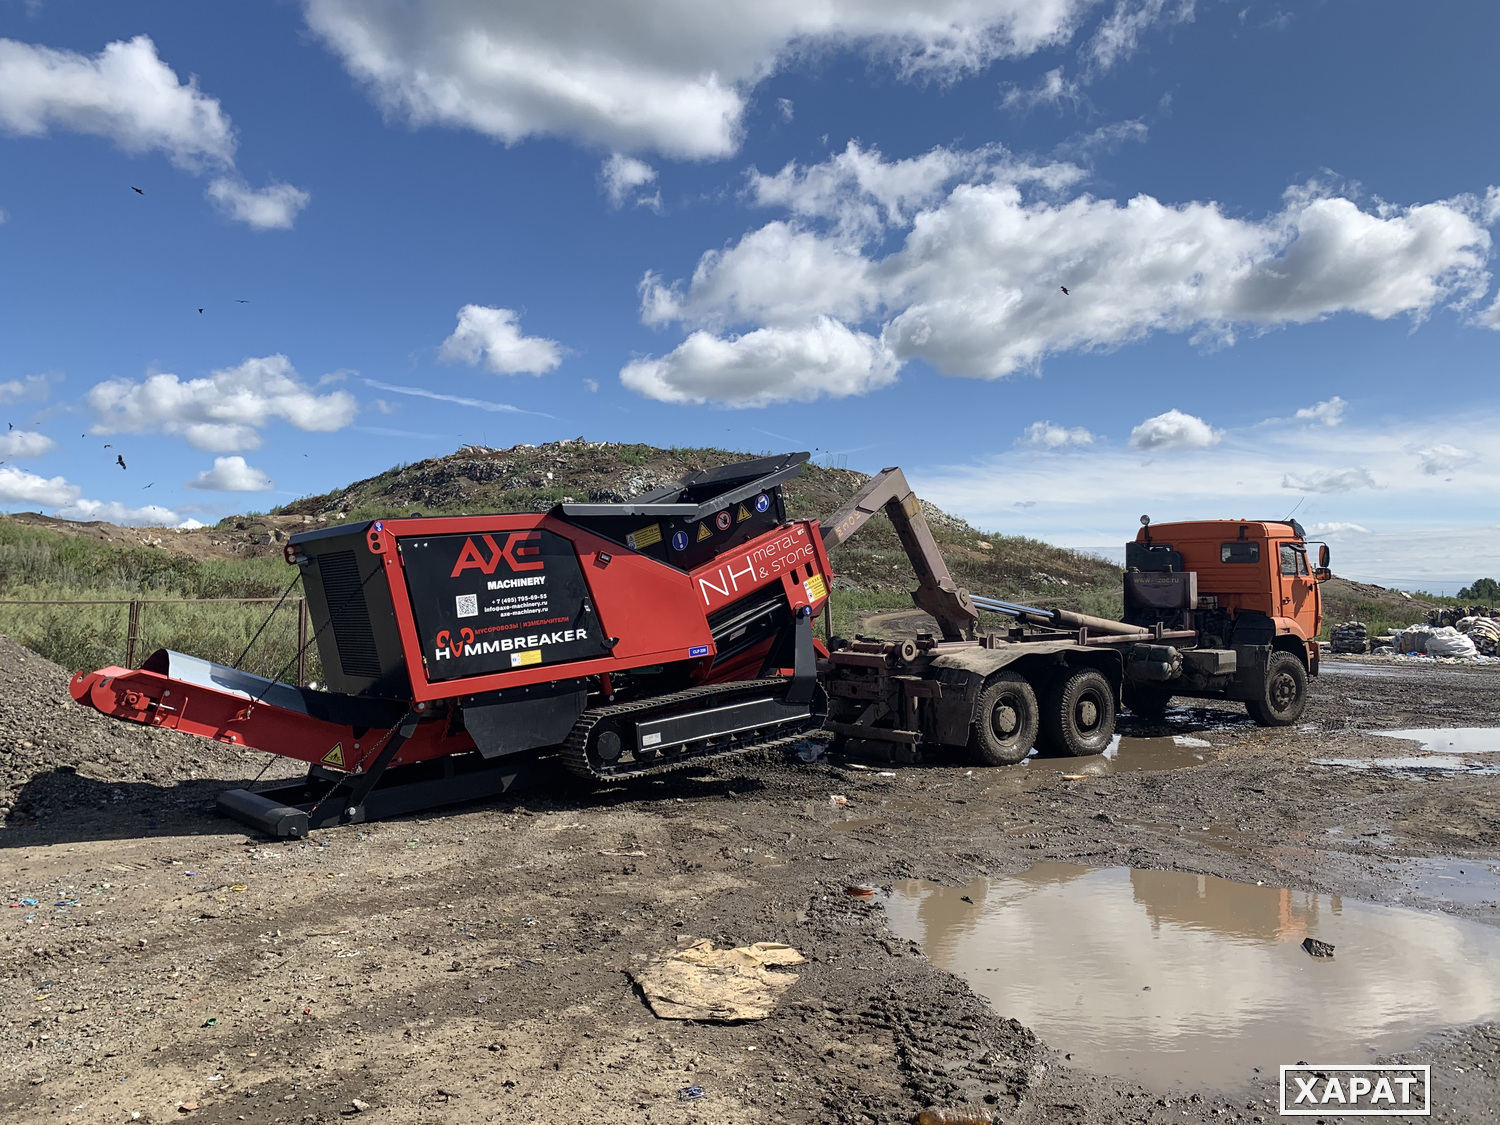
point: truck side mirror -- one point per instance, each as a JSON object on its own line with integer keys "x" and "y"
{"x": 1323, "y": 557}
{"x": 1322, "y": 574}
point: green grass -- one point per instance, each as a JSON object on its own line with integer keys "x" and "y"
{"x": 37, "y": 564}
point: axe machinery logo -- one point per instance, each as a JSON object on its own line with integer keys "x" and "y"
{"x": 519, "y": 545}
{"x": 1356, "y": 1091}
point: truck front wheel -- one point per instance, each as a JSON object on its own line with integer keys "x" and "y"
{"x": 1079, "y": 716}
{"x": 1005, "y": 721}
{"x": 1283, "y": 694}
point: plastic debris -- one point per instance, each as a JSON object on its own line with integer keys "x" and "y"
{"x": 210, "y": 1022}
{"x": 859, "y": 891}
{"x": 837, "y": 800}
{"x": 698, "y": 982}
{"x": 955, "y": 1115}
{"x": 1317, "y": 948}
{"x": 689, "y": 1093}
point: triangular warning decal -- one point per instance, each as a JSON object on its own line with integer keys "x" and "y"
{"x": 703, "y": 532}
{"x": 335, "y": 757}
{"x": 743, "y": 514}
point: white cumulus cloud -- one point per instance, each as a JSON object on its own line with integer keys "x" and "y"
{"x": 768, "y": 365}
{"x": 1444, "y": 458}
{"x": 1337, "y": 527}
{"x": 672, "y": 76}
{"x": 112, "y": 511}
{"x": 268, "y": 208}
{"x": 231, "y": 474}
{"x": 128, "y": 95}
{"x": 1329, "y": 480}
{"x": 623, "y": 177}
{"x": 492, "y": 337}
{"x": 222, "y": 413}
{"x": 1174, "y": 430}
{"x": 974, "y": 287}
{"x": 24, "y": 443}
{"x": 20, "y": 487}
{"x": 1328, "y": 413}
{"x": 33, "y": 388}
{"x": 1049, "y": 435}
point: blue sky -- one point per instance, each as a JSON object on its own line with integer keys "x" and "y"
{"x": 842, "y": 227}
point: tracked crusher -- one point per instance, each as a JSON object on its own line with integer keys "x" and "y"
{"x": 627, "y": 639}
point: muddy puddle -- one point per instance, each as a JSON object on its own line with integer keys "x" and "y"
{"x": 1175, "y": 979}
{"x": 1127, "y": 755}
{"x": 1450, "y": 740}
{"x": 1463, "y": 882}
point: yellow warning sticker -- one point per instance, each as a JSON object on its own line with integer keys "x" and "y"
{"x": 703, "y": 532}
{"x": 335, "y": 757}
{"x": 816, "y": 588}
{"x": 644, "y": 537}
{"x": 742, "y": 515}
{"x": 521, "y": 659}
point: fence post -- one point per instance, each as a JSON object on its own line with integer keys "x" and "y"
{"x": 132, "y": 632}
{"x": 302, "y": 641}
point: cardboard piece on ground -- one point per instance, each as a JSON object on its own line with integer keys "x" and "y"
{"x": 699, "y": 982}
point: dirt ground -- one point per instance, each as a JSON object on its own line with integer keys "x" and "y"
{"x": 473, "y": 965}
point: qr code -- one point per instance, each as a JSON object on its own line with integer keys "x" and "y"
{"x": 468, "y": 605}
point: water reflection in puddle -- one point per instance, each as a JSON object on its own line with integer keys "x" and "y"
{"x": 1450, "y": 740}
{"x": 1179, "y": 979}
{"x": 1464, "y": 882}
{"x": 1127, "y": 755}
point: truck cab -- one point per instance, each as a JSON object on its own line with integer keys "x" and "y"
{"x": 1245, "y": 586}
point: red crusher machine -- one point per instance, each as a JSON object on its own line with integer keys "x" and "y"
{"x": 627, "y": 638}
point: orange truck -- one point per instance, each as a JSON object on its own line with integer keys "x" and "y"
{"x": 1248, "y": 591}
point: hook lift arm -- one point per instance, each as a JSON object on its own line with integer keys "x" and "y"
{"x": 936, "y": 592}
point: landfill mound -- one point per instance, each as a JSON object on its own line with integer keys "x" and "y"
{"x": 532, "y": 478}
{"x": 52, "y": 751}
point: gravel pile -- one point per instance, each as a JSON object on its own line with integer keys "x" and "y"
{"x": 54, "y": 752}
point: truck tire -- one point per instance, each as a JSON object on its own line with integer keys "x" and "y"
{"x": 1079, "y": 715}
{"x": 1283, "y": 693}
{"x": 1148, "y": 702}
{"x": 1005, "y": 721}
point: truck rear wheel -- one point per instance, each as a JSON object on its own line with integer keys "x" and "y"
{"x": 1283, "y": 694}
{"x": 1079, "y": 715}
{"x": 1005, "y": 721}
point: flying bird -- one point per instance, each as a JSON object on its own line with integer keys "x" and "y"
{"x": 200, "y": 310}
{"x": 146, "y": 486}
{"x": 1064, "y": 288}
{"x": 120, "y": 460}
{"x": 12, "y": 425}
{"x": 137, "y": 190}
{"x": 109, "y": 447}
{"x": 241, "y": 301}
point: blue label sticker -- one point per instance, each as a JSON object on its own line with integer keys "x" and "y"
{"x": 698, "y": 650}
{"x": 379, "y": 525}
{"x": 762, "y": 502}
{"x": 679, "y": 541}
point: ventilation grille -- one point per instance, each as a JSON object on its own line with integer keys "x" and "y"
{"x": 348, "y": 614}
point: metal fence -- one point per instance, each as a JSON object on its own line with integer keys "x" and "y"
{"x": 133, "y": 618}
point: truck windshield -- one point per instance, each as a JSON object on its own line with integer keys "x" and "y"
{"x": 1241, "y": 551}
{"x": 1293, "y": 559}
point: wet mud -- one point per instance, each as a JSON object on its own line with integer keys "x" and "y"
{"x": 474, "y": 964}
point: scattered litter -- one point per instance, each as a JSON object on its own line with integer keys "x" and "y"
{"x": 699, "y": 982}
{"x": 689, "y": 1093}
{"x": 966, "y": 898}
{"x": 634, "y": 855}
{"x": 358, "y": 1106}
{"x": 1074, "y": 776}
{"x": 28, "y": 902}
{"x": 859, "y": 891}
{"x": 955, "y": 1115}
{"x": 837, "y": 800}
{"x": 1317, "y": 948}
{"x": 186, "y": 1107}
{"x": 211, "y": 1022}
{"x": 885, "y": 773}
